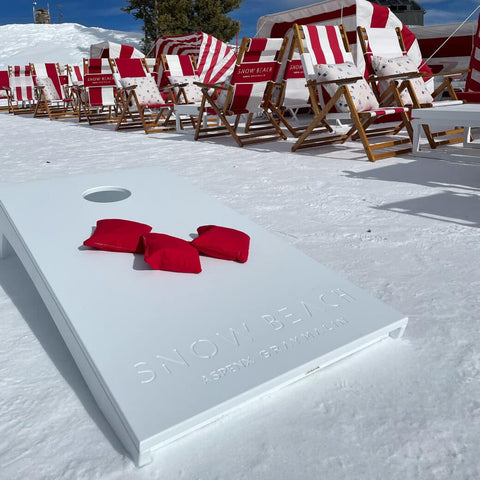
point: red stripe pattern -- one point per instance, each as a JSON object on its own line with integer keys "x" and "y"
{"x": 19, "y": 71}
{"x": 4, "y": 83}
{"x": 472, "y": 83}
{"x": 130, "y": 67}
{"x": 215, "y": 59}
{"x": 99, "y": 82}
{"x": 350, "y": 13}
{"x": 324, "y": 44}
{"x": 259, "y": 66}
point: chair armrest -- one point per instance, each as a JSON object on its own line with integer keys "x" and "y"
{"x": 394, "y": 76}
{"x": 210, "y": 85}
{"x": 175, "y": 85}
{"x": 340, "y": 81}
{"x": 453, "y": 73}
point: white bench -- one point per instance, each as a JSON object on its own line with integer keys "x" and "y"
{"x": 465, "y": 115}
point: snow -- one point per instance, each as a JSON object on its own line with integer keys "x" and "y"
{"x": 66, "y": 43}
{"x": 403, "y": 229}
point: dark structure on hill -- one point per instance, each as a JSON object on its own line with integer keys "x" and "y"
{"x": 409, "y": 12}
{"x": 42, "y": 15}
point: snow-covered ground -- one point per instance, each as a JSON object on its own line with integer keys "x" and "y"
{"x": 406, "y": 230}
{"x": 65, "y": 43}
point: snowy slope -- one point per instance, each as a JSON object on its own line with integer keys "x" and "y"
{"x": 406, "y": 230}
{"x": 66, "y": 43}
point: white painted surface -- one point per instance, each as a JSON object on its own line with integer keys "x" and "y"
{"x": 165, "y": 352}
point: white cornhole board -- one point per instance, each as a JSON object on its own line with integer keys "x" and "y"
{"x": 164, "y": 353}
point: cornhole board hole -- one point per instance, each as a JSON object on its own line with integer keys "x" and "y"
{"x": 164, "y": 353}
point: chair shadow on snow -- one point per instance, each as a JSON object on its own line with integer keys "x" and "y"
{"x": 459, "y": 208}
{"x": 349, "y": 151}
{"x": 455, "y": 187}
{"x": 19, "y": 287}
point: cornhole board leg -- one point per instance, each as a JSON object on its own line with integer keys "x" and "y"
{"x": 165, "y": 353}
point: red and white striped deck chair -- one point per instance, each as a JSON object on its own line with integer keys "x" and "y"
{"x": 75, "y": 84}
{"x": 22, "y": 90}
{"x": 140, "y": 100}
{"x": 246, "y": 93}
{"x": 98, "y": 94}
{"x": 385, "y": 55}
{"x": 339, "y": 90}
{"x": 75, "y": 75}
{"x": 152, "y": 64}
{"x": 472, "y": 83}
{"x": 180, "y": 71}
{"x": 52, "y": 99}
{"x": 4, "y": 89}
{"x": 291, "y": 93}
{"x": 19, "y": 70}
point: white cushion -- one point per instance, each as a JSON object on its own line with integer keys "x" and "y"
{"x": 49, "y": 89}
{"x": 362, "y": 95}
{"x": 146, "y": 90}
{"x": 391, "y": 66}
{"x": 193, "y": 92}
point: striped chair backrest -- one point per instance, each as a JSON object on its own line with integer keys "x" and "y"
{"x": 130, "y": 67}
{"x": 384, "y": 42}
{"x": 22, "y": 88}
{"x": 19, "y": 70}
{"x": 323, "y": 44}
{"x": 50, "y": 70}
{"x": 99, "y": 82}
{"x": 4, "y": 83}
{"x": 472, "y": 83}
{"x": 258, "y": 63}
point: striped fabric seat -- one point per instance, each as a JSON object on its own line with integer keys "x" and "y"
{"x": 385, "y": 54}
{"x": 338, "y": 90}
{"x": 130, "y": 67}
{"x": 4, "y": 84}
{"x": 179, "y": 72}
{"x": 19, "y": 70}
{"x": 140, "y": 102}
{"x": 22, "y": 88}
{"x": 52, "y": 98}
{"x": 99, "y": 82}
{"x": 21, "y": 91}
{"x": 75, "y": 75}
{"x": 248, "y": 91}
{"x": 259, "y": 66}
{"x": 214, "y": 59}
{"x": 97, "y": 95}
{"x": 51, "y": 70}
{"x": 22, "y": 85}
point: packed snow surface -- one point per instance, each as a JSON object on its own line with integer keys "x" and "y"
{"x": 406, "y": 230}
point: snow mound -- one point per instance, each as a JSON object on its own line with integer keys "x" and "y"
{"x": 66, "y": 43}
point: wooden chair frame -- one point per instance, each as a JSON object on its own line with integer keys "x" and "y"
{"x": 255, "y": 133}
{"x": 134, "y": 114}
{"x": 279, "y": 106}
{"x": 97, "y": 114}
{"x": 63, "y": 107}
{"x": 435, "y": 139}
{"x": 362, "y": 127}
{"x": 15, "y": 105}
